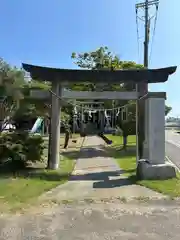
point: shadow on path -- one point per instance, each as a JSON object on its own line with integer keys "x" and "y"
{"x": 102, "y": 179}
{"x": 101, "y": 151}
{"x": 86, "y": 152}
{"x": 112, "y": 183}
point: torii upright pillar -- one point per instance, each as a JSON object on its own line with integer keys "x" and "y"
{"x": 54, "y": 138}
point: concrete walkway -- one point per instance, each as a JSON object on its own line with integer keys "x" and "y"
{"x": 97, "y": 176}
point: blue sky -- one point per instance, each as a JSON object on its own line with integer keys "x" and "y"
{"x": 46, "y": 32}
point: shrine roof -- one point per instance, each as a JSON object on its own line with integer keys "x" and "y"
{"x": 102, "y": 76}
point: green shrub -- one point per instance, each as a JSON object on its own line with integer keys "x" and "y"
{"x": 34, "y": 148}
{"x": 18, "y": 148}
{"x": 129, "y": 128}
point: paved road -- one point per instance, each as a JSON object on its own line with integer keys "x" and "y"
{"x": 173, "y": 147}
{"x": 97, "y": 221}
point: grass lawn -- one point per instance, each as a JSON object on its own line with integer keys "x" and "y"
{"x": 17, "y": 191}
{"x": 127, "y": 162}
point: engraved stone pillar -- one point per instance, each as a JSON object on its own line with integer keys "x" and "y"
{"x": 153, "y": 166}
{"x": 155, "y": 128}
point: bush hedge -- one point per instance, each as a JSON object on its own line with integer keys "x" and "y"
{"x": 19, "y": 148}
{"x": 128, "y": 127}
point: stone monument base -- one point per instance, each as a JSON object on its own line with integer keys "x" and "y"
{"x": 147, "y": 171}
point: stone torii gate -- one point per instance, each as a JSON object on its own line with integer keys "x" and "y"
{"x": 153, "y": 165}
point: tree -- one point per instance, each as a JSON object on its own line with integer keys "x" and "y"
{"x": 14, "y": 95}
{"x": 11, "y": 81}
{"x": 102, "y": 58}
{"x": 167, "y": 110}
{"x": 29, "y": 109}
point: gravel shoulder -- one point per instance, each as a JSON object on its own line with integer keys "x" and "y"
{"x": 96, "y": 221}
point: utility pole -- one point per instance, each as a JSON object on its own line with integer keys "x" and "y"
{"x": 143, "y": 87}
{"x": 146, "y": 41}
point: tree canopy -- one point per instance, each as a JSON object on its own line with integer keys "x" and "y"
{"x": 167, "y": 110}
{"x": 11, "y": 80}
{"x": 14, "y": 95}
{"x": 102, "y": 58}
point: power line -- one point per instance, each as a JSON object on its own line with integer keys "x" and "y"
{"x": 154, "y": 30}
{"x": 137, "y": 30}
